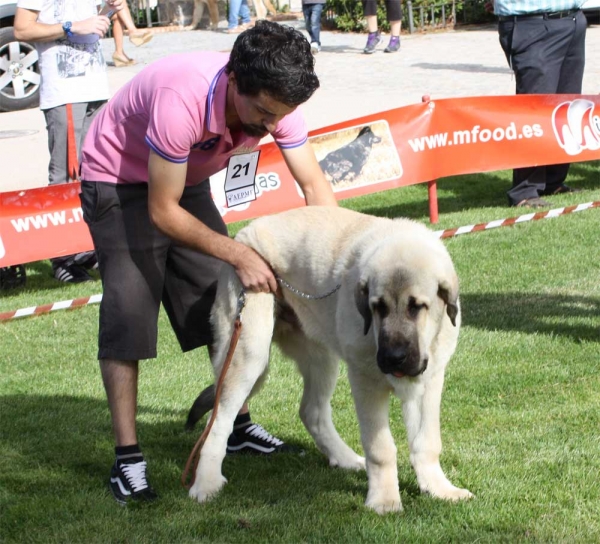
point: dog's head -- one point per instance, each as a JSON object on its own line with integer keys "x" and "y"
{"x": 404, "y": 299}
{"x": 368, "y": 136}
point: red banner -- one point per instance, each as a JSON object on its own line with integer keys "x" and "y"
{"x": 404, "y": 146}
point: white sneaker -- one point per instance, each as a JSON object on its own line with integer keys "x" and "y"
{"x": 315, "y": 48}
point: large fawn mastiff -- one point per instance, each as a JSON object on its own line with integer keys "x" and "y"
{"x": 394, "y": 320}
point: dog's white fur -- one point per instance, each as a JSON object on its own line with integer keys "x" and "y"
{"x": 396, "y": 304}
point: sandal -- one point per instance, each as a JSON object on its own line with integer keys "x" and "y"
{"x": 122, "y": 60}
{"x": 141, "y": 38}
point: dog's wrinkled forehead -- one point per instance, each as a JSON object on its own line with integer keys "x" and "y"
{"x": 397, "y": 283}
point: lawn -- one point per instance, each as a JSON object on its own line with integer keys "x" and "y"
{"x": 520, "y": 412}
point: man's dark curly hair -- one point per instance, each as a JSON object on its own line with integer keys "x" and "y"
{"x": 275, "y": 59}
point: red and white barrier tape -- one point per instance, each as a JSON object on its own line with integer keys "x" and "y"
{"x": 448, "y": 233}
{"x": 47, "y": 308}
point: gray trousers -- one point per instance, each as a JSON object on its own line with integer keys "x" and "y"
{"x": 547, "y": 57}
{"x": 56, "y": 125}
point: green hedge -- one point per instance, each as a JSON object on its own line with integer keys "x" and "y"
{"x": 347, "y": 15}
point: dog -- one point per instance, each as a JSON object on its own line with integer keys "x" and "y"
{"x": 347, "y": 162}
{"x": 394, "y": 320}
{"x": 260, "y": 6}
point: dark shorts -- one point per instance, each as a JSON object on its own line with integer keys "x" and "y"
{"x": 140, "y": 267}
{"x": 393, "y": 9}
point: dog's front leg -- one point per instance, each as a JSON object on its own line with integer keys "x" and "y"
{"x": 371, "y": 398}
{"x": 422, "y": 419}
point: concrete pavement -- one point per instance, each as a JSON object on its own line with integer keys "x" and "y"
{"x": 441, "y": 64}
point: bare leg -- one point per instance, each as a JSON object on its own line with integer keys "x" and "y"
{"x": 136, "y": 36}
{"x": 395, "y": 27}
{"x": 371, "y": 23}
{"x": 120, "y": 382}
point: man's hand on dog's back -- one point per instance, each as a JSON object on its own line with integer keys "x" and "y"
{"x": 254, "y": 272}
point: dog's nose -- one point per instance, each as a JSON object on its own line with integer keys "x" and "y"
{"x": 391, "y": 359}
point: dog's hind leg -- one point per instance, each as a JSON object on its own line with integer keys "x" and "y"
{"x": 319, "y": 368}
{"x": 248, "y": 364}
{"x": 422, "y": 419}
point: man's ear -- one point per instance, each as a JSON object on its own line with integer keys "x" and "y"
{"x": 448, "y": 292}
{"x": 361, "y": 298}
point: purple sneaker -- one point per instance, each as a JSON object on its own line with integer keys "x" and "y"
{"x": 372, "y": 42}
{"x": 393, "y": 46}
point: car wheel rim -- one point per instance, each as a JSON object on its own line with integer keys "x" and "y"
{"x": 19, "y": 77}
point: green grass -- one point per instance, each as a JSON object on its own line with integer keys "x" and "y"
{"x": 520, "y": 412}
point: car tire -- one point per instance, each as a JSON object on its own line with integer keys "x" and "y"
{"x": 19, "y": 73}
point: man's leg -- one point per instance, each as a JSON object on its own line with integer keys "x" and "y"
{"x": 64, "y": 268}
{"x": 537, "y": 51}
{"x": 131, "y": 257}
{"x": 120, "y": 382}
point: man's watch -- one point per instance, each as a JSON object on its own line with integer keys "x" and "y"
{"x": 67, "y": 28}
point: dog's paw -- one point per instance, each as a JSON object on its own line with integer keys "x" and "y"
{"x": 451, "y": 493}
{"x": 205, "y": 490}
{"x": 383, "y": 506}
{"x": 349, "y": 462}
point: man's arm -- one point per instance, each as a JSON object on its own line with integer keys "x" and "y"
{"x": 28, "y": 29}
{"x": 304, "y": 167}
{"x": 165, "y": 187}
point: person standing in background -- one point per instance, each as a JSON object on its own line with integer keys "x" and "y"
{"x": 123, "y": 20}
{"x": 73, "y": 88}
{"x": 312, "y": 10}
{"x": 544, "y": 43}
{"x": 393, "y": 11}
{"x": 238, "y": 9}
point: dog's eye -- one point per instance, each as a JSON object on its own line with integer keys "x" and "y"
{"x": 381, "y": 308}
{"x": 414, "y": 307}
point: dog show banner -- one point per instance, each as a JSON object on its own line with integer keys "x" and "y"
{"x": 404, "y": 146}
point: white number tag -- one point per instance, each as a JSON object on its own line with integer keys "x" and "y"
{"x": 239, "y": 180}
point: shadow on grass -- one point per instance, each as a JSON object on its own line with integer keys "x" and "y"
{"x": 462, "y": 193}
{"x": 534, "y": 313}
{"x": 65, "y": 443}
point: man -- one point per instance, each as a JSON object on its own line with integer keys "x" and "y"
{"x": 544, "y": 43}
{"x": 67, "y": 37}
{"x": 146, "y": 198}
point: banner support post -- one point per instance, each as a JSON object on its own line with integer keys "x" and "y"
{"x": 433, "y": 202}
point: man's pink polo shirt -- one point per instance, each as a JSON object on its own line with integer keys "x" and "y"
{"x": 176, "y": 107}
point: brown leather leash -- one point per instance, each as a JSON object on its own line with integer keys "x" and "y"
{"x": 194, "y": 458}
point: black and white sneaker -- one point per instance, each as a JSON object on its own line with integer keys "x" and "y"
{"x": 128, "y": 483}
{"x": 253, "y": 438}
{"x": 87, "y": 259}
{"x": 71, "y": 273}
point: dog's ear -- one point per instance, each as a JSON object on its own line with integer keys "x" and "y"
{"x": 448, "y": 292}
{"x": 361, "y": 298}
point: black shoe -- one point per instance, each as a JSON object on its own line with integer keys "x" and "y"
{"x": 72, "y": 273}
{"x": 254, "y": 439}
{"x": 561, "y": 189}
{"x": 87, "y": 259}
{"x": 128, "y": 483}
{"x": 12, "y": 277}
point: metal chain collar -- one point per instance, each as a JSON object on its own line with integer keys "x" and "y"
{"x": 285, "y": 284}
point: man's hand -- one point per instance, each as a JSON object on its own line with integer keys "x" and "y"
{"x": 254, "y": 272}
{"x": 98, "y": 24}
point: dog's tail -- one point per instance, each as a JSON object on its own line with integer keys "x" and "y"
{"x": 203, "y": 404}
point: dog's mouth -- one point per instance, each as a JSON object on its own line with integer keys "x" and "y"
{"x": 398, "y": 374}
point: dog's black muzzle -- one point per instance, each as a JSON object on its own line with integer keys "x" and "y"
{"x": 400, "y": 361}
